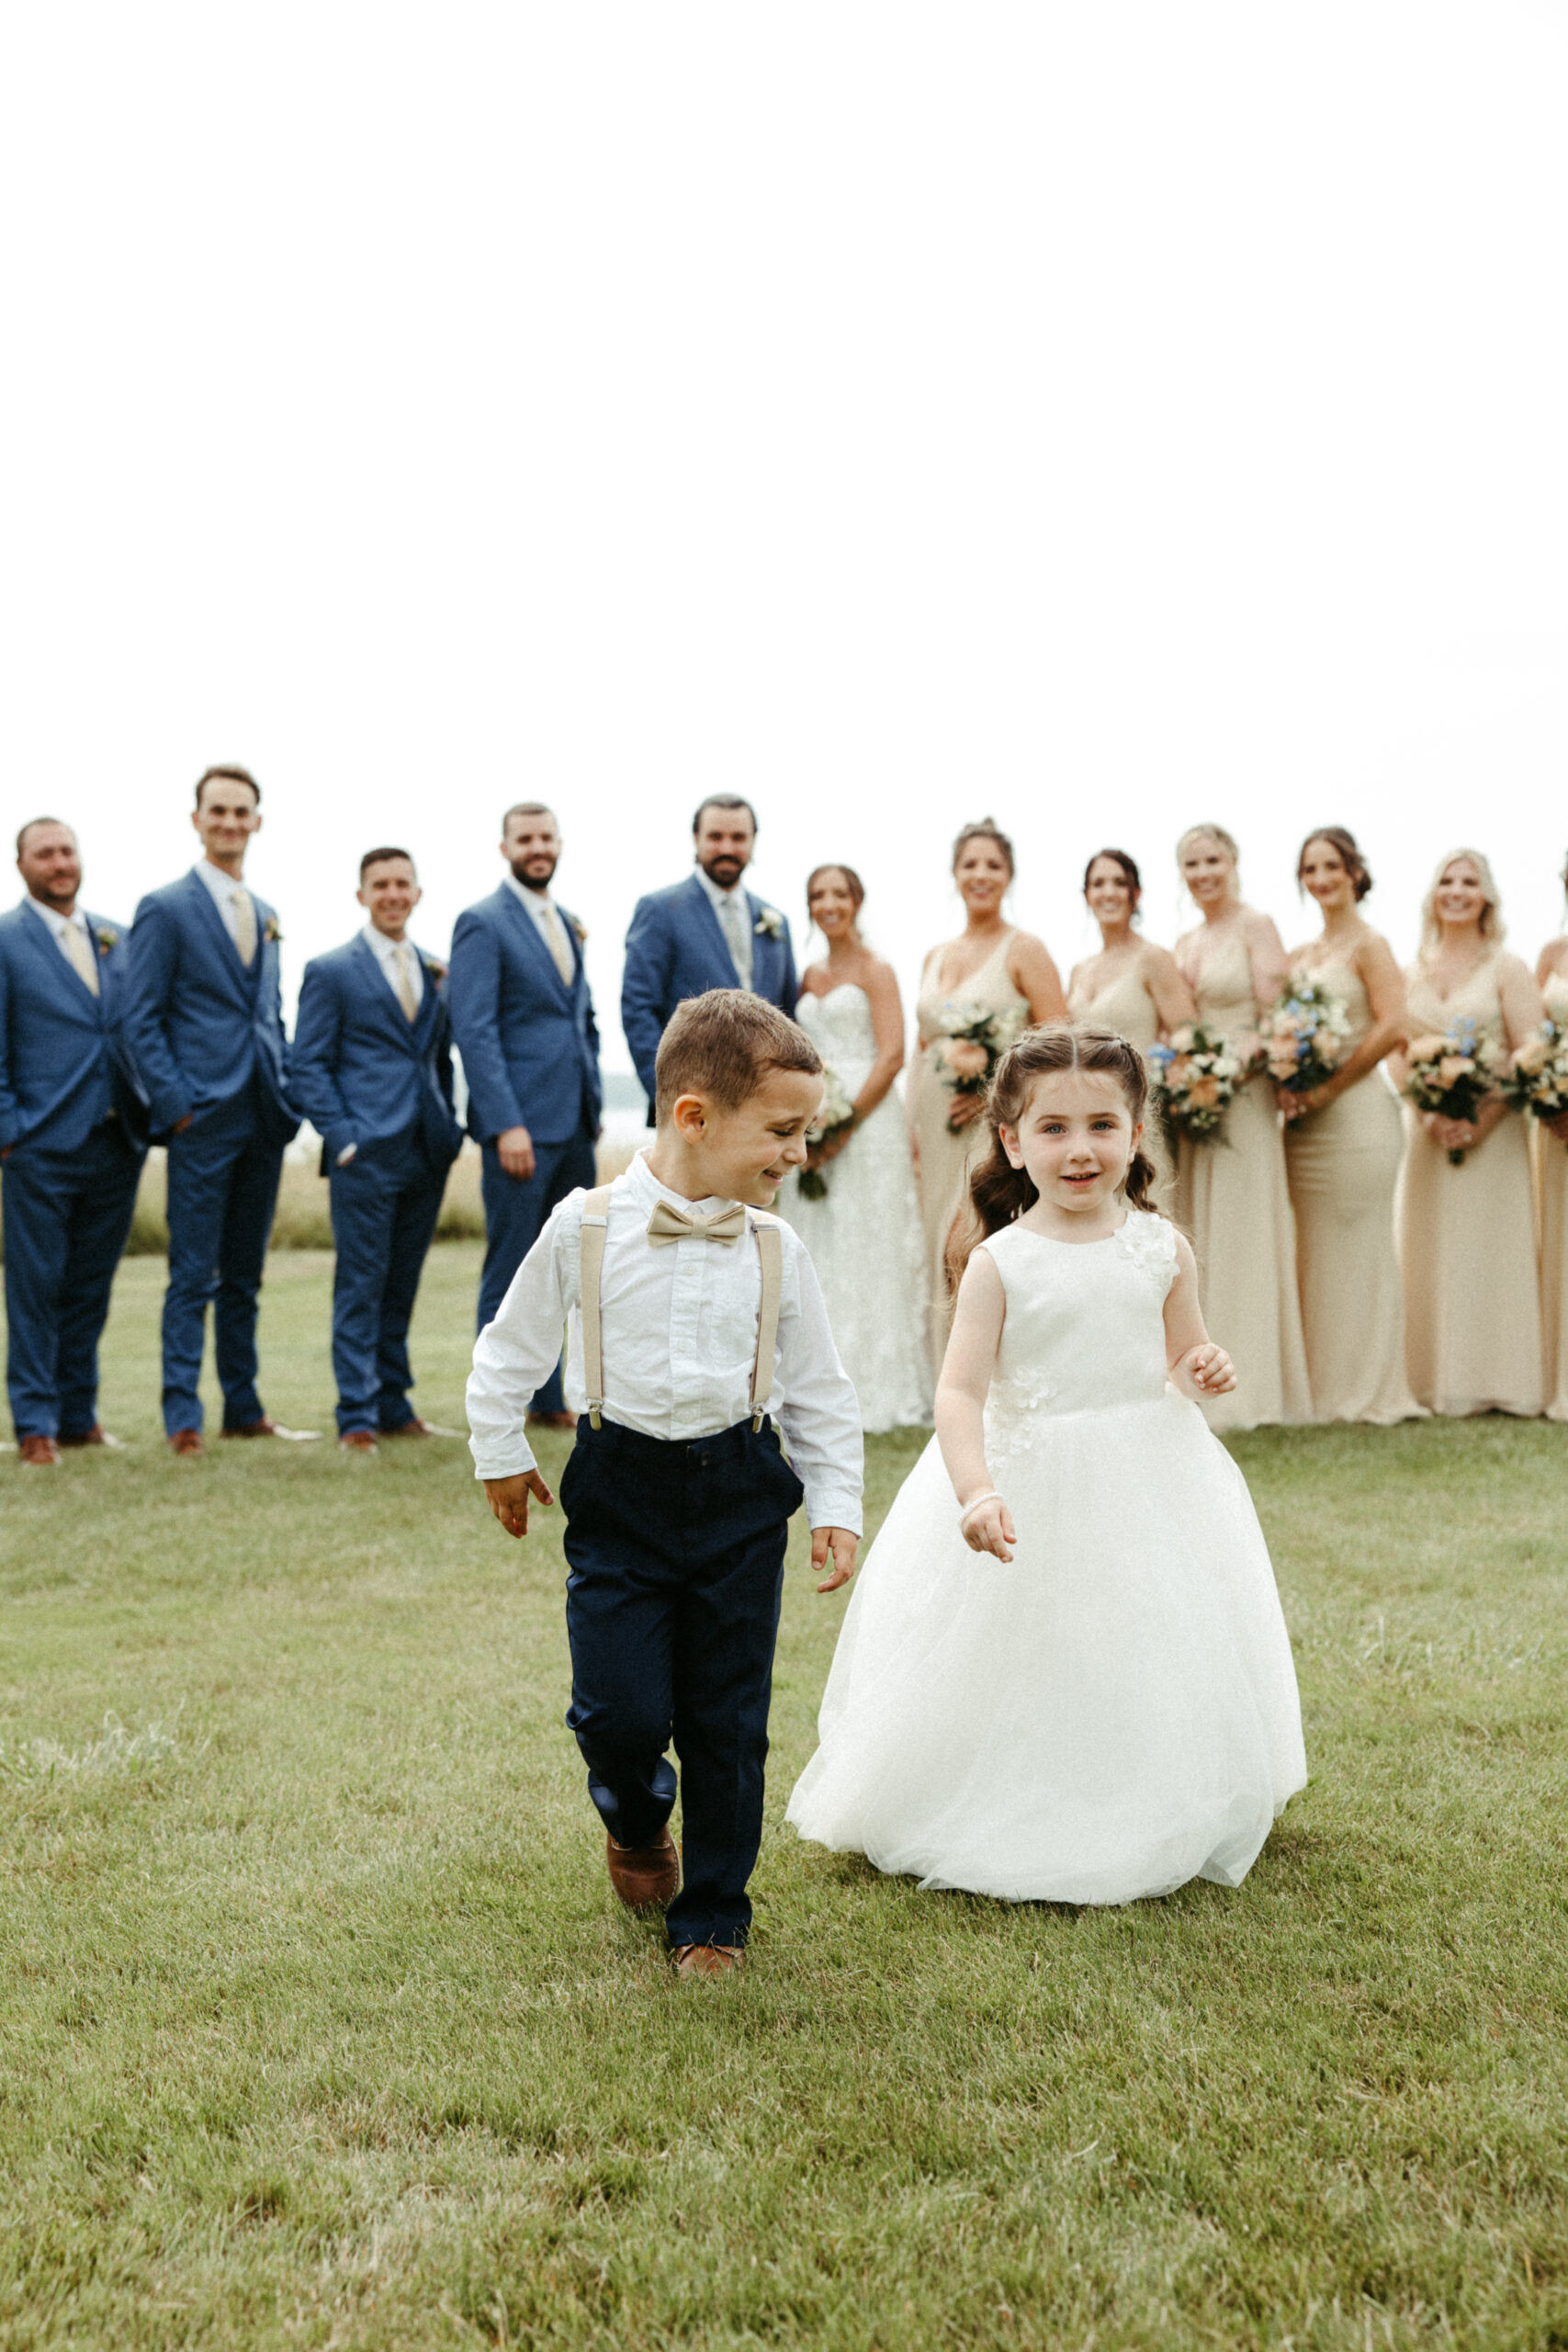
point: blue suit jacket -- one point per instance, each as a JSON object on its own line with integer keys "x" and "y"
{"x": 62, "y": 1071}
{"x": 359, "y": 1070}
{"x": 676, "y": 948}
{"x": 529, "y": 1043}
{"x": 197, "y": 1024}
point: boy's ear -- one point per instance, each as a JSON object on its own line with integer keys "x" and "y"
{"x": 690, "y": 1117}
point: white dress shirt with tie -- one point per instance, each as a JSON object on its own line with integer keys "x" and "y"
{"x": 236, "y": 906}
{"x": 734, "y": 911}
{"x": 73, "y": 936}
{"x": 399, "y": 959}
{"x": 679, "y": 1341}
{"x": 551, "y": 926}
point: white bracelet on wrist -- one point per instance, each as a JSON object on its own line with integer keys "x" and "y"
{"x": 967, "y": 1513}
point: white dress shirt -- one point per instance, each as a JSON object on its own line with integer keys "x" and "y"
{"x": 734, "y": 911}
{"x": 224, "y": 888}
{"x": 541, "y": 906}
{"x": 60, "y": 925}
{"x": 680, "y": 1337}
{"x": 385, "y": 951}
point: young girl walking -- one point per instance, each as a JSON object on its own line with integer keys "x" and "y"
{"x": 1074, "y": 1684}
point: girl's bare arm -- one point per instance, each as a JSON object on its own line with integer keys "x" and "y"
{"x": 962, "y": 1389}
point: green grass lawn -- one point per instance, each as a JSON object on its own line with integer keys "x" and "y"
{"x": 320, "y": 2027}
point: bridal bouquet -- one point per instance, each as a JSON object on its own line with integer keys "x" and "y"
{"x": 1305, "y": 1035}
{"x": 1538, "y": 1079}
{"x": 835, "y": 1118}
{"x": 1452, "y": 1074}
{"x": 972, "y": 1043}
{"x": 1198, "y": 1074}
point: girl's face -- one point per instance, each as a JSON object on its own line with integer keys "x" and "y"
{"x": 1076, "y": 1138}
{"x": 831, "y": 903}
{"x": 982, "y": 873}
{"x": 1324, "y": 876}
{"x": 1461, "y": 897}
{"x": 1209, "y": 871}
{"x": 1110, "y": 894}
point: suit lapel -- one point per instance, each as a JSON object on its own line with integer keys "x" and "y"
{"x": 716, "y": 929}
{"x": 76, "y": 996}
{"x": 218, "y": 929}
{"x": 544, "y": 963}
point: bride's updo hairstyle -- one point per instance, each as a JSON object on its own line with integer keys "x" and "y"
{"x": 999, "y": 1192}
{"x": 1342, "y": 842}
{"x": 986, "y": 829}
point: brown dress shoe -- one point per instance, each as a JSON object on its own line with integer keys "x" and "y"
{"x": 185, "y": 1441}
{"x": 708, "y": 1959}
{"x": 265, "y": 1427}
{"x": 412, "y": 1427}
{"x": 95, "y": 1436}
{"x": 550, "y": 1421}
{"x": 358, "y": 1441}
{"x": 644, "y": 1875}
{"x": 39, "y": 1453}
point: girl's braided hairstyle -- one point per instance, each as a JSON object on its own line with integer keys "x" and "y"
{"x": 1000, "y": 1192}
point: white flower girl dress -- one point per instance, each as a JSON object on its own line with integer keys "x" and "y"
{"x": 1113, "y": 1713}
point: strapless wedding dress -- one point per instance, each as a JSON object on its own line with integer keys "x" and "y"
{"x": 864, "y": 1238}
{"x": 1114, "y": 1711}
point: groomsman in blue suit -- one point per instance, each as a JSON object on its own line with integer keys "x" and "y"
{"x": 203, "y": 1025}
{"x": 371, "y": 1069}
{"x": 706, "y": 933}
{"x": 73, "y": 1137}
{"x": 523, "y": 1021}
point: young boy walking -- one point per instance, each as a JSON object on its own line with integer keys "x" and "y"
{"x": 694, "y": 1322}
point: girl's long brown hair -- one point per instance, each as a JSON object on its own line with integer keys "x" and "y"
{"x": 1000, "y": 1192}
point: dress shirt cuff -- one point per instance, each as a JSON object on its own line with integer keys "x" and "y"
{"x": 503, "y": 1458}
{"x": 833, "y": 1507}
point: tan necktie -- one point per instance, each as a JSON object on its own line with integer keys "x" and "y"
{"x": 406, "y": 997}
{"x": 83, "y": 963}
{"x": 245, "y": 927}
{"x": 670, "y": 1224}
{"x": 557, "y": 943}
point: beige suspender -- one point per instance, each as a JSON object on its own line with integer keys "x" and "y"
{"x": 769, "y": 1253}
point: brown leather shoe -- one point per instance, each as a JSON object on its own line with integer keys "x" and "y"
{"x": 550, "y": 1421}
{"x": 186, "y": 1442}
{"x": 708, "y": 1959}
{"x": 95, "y": 1436}
{"x": 39, "y": 1452}
{"x": 358, "y": 1441}
{"x": 265, "y": 1427}
{"x": 412, "y": 1427}
{"x": 644, "y": 1875}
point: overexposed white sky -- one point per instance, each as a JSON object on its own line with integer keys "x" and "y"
{"x": 1103, "y": 417}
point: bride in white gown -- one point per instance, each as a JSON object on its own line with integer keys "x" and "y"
{"x": 1080, "y": 1691}
{"x": 863, "y": 1233}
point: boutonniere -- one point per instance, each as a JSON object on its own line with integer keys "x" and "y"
{"x": 579, "y": 931}
{"x": 770, "y": 923}
{"x": 107, "y": 938}
{"x": 273, "y": 933}
{"x": 436, "y": 967}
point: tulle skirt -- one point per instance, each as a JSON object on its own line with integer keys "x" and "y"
{"x": 1109, "y": 1714}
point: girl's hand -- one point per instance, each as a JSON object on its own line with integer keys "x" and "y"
{"x": 1209, "y": 1369}
{"x": 990, "y": 1529}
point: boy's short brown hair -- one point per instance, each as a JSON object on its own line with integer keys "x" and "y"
{"x": 723, "y": 1044}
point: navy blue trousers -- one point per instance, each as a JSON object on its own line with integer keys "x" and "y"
{"x": 516, "y": 1211}
{"x": 224, "y": 1177}
{"x": 385, "y": 1205}
{"x": 67, "y": 1214}
{"x": 676, "y": 1554}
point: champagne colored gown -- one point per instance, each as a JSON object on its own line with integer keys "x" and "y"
{"x": 1550, "y": 1159}
{"x": 1342, "y": 1164}
{"x": 1467, "y": 1240}
{"x": 1234, "y": 1205}
{"x": 1126, "y": 1006}
{"x": 947, "y": 1159}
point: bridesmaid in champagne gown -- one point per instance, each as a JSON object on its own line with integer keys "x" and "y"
{"x": 1548, "y": 1142}
{"x": 1344, "y": 1143}
{"x": 1131, "y": 986}
{"x": 1467, "y": 1234}
{"x": 1231, "y": 1199}
{"x": 989, "y": 968}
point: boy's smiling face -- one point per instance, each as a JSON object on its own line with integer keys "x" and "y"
{"x": 742, "y": 1154}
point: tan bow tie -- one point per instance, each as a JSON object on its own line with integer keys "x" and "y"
{"x": 670, "y": 1224}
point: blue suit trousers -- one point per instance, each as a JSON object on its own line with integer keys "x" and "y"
{"x": 676, "y": 1554}
{"x": 515, "y": 1218}
{"x": 67, "y": 1215}
{"x": 223, "y": 1175}
{"x": 385, "y": 1205}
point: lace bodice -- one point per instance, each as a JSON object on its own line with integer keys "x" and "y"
{"x": 1084, "y": 1325}
{"x": 839, "y": 1026}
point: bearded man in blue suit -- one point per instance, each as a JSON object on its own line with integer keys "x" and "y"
{"x": 523, "y": 1021}
{"x": 73, "y": 1137}
{"x": 203, "y": 1026}
{"x": 371, "y": 1069}
{"x": 706, "y": 933}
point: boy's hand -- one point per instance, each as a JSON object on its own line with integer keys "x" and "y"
{"x": 843, "y": 1545}
{"x": 1210, "y": 1370}
{"x": 509, "y": 1499}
